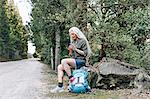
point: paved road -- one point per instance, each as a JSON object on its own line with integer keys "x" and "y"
{"x": 21, "y": 79}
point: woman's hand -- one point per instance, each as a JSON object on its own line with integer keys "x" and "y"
{"x": 69, "y": 47}
{"x": 72, "y": 47}
{"x": 77, "y": 50}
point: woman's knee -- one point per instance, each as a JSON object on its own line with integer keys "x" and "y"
{"x": 64, "y": 61}
{"x": 60, "y": 67}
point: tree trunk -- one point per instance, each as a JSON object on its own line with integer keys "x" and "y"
{"x": 52, "y": 59}
{"x": 57, "y": 48}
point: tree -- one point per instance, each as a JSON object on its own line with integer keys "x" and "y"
{"x": 117, "y": 25}
{"x": 50, "y": 25}
{"x": 14, "y": 37}
{"x": 4, "y": 27}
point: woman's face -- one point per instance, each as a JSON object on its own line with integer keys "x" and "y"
{"x": 73, "y": 36}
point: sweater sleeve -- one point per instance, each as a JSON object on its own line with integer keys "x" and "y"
{"x": 84, "y": 47}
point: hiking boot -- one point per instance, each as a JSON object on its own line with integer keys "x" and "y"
{"x": 57, "y": 90}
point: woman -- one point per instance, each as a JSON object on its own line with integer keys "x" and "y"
{"x": 78, "y": 50}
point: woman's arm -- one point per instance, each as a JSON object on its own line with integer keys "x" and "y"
{"x": 80, "y": 51}
{"x": 77, "y": 50}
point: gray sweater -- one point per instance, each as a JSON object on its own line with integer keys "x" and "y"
{"x": 81, "y": 45}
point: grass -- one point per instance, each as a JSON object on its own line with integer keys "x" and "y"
{"x": 51, "y": 81}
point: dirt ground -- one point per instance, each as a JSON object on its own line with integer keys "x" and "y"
{"x": 50, "y": 81}
{"x": 31, "y": 79}
{"x": 21, "y": 79}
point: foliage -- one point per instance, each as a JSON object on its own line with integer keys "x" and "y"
{"x": 4, "y": 30}
{"x": 122, "y": 26}
{"x": 44, "y": 25}
{"x": 51, "y": 17}
{"x": 13, "y": 39}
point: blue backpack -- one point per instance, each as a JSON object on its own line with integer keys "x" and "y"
{"x": 80, "y": 82}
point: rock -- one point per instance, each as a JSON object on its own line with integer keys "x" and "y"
{"x": 114, "y": 74}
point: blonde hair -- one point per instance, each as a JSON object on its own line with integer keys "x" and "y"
{"x": 80, "y": 35}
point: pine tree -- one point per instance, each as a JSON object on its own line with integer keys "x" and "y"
{"x": 13, "y": 36}
{"x": 5, "y": 30}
